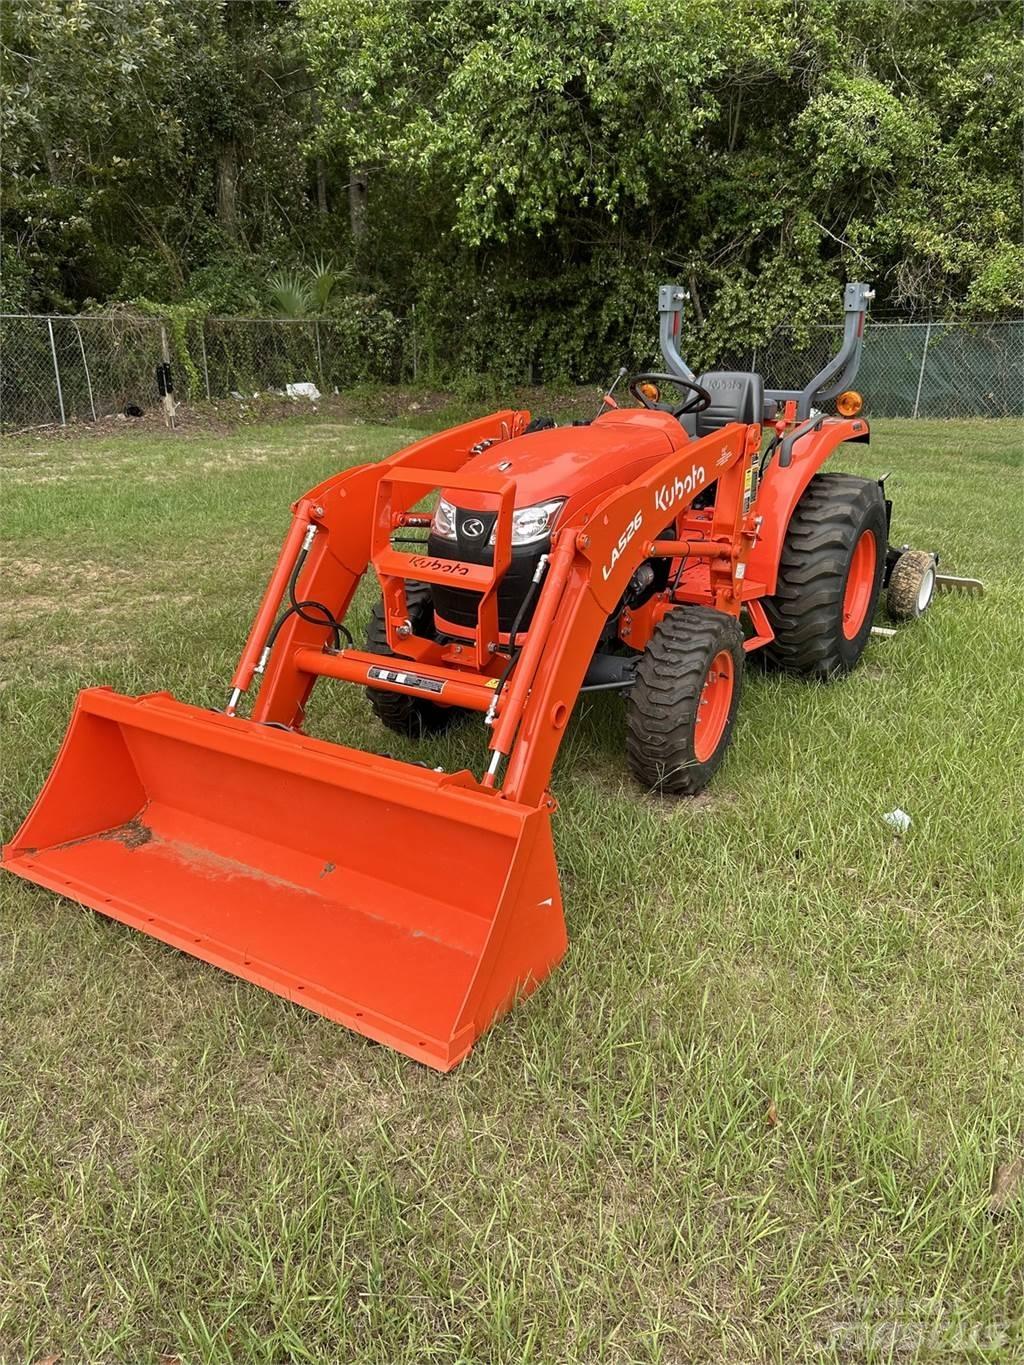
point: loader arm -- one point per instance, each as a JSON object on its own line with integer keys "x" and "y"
{"x": 591, "y": 562}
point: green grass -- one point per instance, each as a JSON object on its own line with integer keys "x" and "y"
{"x": 190, "y": 1166}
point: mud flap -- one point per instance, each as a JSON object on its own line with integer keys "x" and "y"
{"x": 411, "y": 906}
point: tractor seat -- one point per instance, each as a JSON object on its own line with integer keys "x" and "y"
{"x": 736, "y": 396}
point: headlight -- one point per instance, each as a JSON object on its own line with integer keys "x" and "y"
{"x": 443, "y": 521}
{"x": 533, "y": 523}
{"x": 528, "y": 523}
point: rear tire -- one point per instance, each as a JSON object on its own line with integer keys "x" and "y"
{"x": 409, "y": 716}
{"x": 830, "y": 576}
{"x": 682, "y": 707}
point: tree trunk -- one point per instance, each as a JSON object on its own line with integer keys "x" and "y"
{"x": 698, "y": 311}
{"x": 357, "y": 187}
{"x": 227, "y": 187}
{"x": 318, "y": 163}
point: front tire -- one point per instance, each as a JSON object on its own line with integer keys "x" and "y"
{"x": 830, "y": 576}
{"x": 682, "y": 707}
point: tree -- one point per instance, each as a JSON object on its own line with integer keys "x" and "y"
{"x": 145, "y": 140}
{"x": 82, "y": 98}
{"x": 764, "y": 150}
{"x": 525, "y": 172}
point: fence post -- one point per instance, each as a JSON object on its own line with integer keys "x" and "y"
{"x": 56, "y": 372}
{"x": 319, "y": 356}
{"x": 920, "y": 377}
{"x": 415, "y": 356}
{"x": 168, "y": 398}
{"x": 202, "y": 347}
{"x": 85, "y": 367}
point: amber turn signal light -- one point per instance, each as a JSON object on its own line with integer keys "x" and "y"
{"x": 650, "y": 391}
{"x": 849, "y": 403}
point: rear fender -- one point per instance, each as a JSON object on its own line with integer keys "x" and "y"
{"x": 782, "y": 488}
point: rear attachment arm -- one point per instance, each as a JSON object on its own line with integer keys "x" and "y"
{"x": 839, "y": 372}
{"x": 257, "y": 647}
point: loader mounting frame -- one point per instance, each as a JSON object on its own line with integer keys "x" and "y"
{"x": 355, "y": 514}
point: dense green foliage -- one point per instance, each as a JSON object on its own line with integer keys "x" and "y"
{"x": 525, "y": 173}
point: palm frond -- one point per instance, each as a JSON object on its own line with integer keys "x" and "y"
{"x": 290, "y": 294}
{"x": 322, "y": 278}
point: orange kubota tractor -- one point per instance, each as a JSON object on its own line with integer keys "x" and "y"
{"x": 650, "y": 550}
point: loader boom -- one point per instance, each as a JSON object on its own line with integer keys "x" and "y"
{"x": 590, "y": 564}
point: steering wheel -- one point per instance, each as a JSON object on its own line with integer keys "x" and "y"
{"x": 700, "y": 400}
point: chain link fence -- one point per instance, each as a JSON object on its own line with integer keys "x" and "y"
{"x": 253, "y": 355}
{"x": 58, "y": 369}
{"x": 54, "y": 370}
{"x": 920, "y": 369}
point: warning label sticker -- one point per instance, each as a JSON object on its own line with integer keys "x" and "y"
{"x": 405, "y": 679}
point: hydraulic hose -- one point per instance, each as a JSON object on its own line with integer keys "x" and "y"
{"x": 301, "y": 610}
{"x": 515, "y": 650}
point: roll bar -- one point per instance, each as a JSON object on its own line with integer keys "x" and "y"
{"x": 838, "y": 374}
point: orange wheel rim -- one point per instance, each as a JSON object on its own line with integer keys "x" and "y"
{"x": 859, "y": 583}
{"x": 714, "y": 705}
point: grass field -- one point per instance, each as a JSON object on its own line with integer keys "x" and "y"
{"x": 757, "y": 1115}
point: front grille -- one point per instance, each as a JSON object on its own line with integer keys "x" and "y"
{"x": 460, "y": 607}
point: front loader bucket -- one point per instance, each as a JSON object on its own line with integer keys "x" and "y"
{"x": 410, "y": 905}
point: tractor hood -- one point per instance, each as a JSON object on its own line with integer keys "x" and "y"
{"x": 578, "y": 463}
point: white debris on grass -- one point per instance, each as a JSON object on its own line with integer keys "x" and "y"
{"x": 304, "y": 390}
{"x": 899, "y": 819}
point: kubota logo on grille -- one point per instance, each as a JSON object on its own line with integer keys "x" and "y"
{"x": 472, "y": 527}
{"x": 669, "y": 494}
